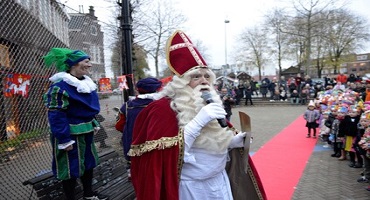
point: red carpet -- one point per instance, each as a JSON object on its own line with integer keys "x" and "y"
{"x": 281, "y": 161}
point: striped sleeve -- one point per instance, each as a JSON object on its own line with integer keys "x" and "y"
{"x": 56, "y": 98}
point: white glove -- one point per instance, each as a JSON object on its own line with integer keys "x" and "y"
{"x": 237, "y": 141}
{"x": 205, "y": 115}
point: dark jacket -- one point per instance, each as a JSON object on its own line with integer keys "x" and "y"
{"x": 263, "y": 88}
{"x": 294, "y": 95}
{"x": 350, "y": 123}
{"x": 248, "y": 93}
{"x": 352, "y": 78}
{"x": 131, "y": 112}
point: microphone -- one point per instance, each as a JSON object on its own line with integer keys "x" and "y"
{"x": 207, "y": 97}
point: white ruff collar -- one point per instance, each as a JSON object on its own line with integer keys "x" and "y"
{"x": 83, "y": 86}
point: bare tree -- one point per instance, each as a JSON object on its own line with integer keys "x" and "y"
{"x": 347, "y": 32}
{"x": 155, "y": 22}
{"x": 254, "y": 48}
{"x": 280, "y": 47}
{"x": 302, "y": 24}
{"x": 320, "y": 46}
{"x": 140, "y": 65}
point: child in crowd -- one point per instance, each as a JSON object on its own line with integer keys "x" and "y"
{"x": 283, "y": 94}
{"x": 311, "y": 116}
{"x": 364, "y": 143}
{"x": 334, "y": 131}
{"x": 324, "y": 130}
{"x": 350, "y": 122}
{"x": 340, "y": 132}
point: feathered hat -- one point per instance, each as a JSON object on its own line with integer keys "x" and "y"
{"x": 182, "y": 55}
{"x": 64, "y": 58}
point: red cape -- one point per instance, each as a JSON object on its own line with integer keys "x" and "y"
{"x": 155, "y": 156}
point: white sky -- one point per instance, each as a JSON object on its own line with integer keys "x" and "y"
{"x": 206, "y": 20}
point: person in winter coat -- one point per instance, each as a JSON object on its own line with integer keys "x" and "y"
{"x": 264, "y": 89}
{"x": 130, "y": 110}
{"x": 248, "y": 96}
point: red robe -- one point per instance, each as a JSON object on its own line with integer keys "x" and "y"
{"x": 157, "y": 155}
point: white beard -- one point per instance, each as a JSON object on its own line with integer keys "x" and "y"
{"x": 188, "y": 103}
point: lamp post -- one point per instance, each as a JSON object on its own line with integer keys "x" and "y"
{"x": 226, "y": 65}
{"x": 126, "y": 46}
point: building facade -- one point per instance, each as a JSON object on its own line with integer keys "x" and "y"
{"x": 358, "y": 64}
{"x": 85, "y": 34}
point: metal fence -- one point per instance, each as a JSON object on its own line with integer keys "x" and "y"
{"x": 28, "y": 30}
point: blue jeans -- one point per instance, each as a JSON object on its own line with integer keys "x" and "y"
{"x": 303, "y": 101}
{"x": 294, "y": 100}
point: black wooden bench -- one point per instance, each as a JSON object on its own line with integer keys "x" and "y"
{"x": 110, "y": 178}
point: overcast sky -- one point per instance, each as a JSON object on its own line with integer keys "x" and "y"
{"x": 206, "y": 19}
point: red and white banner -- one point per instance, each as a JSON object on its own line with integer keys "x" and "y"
{"x": 122, "y": 82}
{"x": 17, "y": 84}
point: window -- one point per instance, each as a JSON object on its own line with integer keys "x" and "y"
{"x": 4, "y": 56}
{"x": 362, "y": 57}
{"x": 93, "y": 30}
{"x": 343, "y": 70}
{"x": 93, "y": 52}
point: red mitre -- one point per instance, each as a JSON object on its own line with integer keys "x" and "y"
{"x": 182, "y": 55}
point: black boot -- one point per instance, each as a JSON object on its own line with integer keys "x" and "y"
{"x": 357, "y": 165}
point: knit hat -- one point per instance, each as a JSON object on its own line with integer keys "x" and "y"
{"x": 326, "y": 112}
{"x": 334, "y": 108}
{"x": 148, "y": 85}
{"x": 182, "y": 55}
{"x": 353, "y": 108}
{"x": 365, "y": 115}
{"x": 311, "y": 104}
{"x": 64, "y": 58}
{"x": 343, "y": 109}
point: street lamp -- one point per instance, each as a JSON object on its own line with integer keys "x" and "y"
{"x": 226, "y": 22}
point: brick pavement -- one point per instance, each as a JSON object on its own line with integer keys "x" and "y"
{"x": 323, "y": 178}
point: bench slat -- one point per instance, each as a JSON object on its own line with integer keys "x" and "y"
{"x": 110, "y": 177}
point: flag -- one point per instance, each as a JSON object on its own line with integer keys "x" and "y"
{"x": 122, "y": 82}
{"x": 17, "y": 84}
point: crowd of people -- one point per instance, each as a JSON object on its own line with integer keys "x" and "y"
{"x": 296, "y": 89}
{"x": 339, "y": 108}
{"x": 342, "y": 114}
